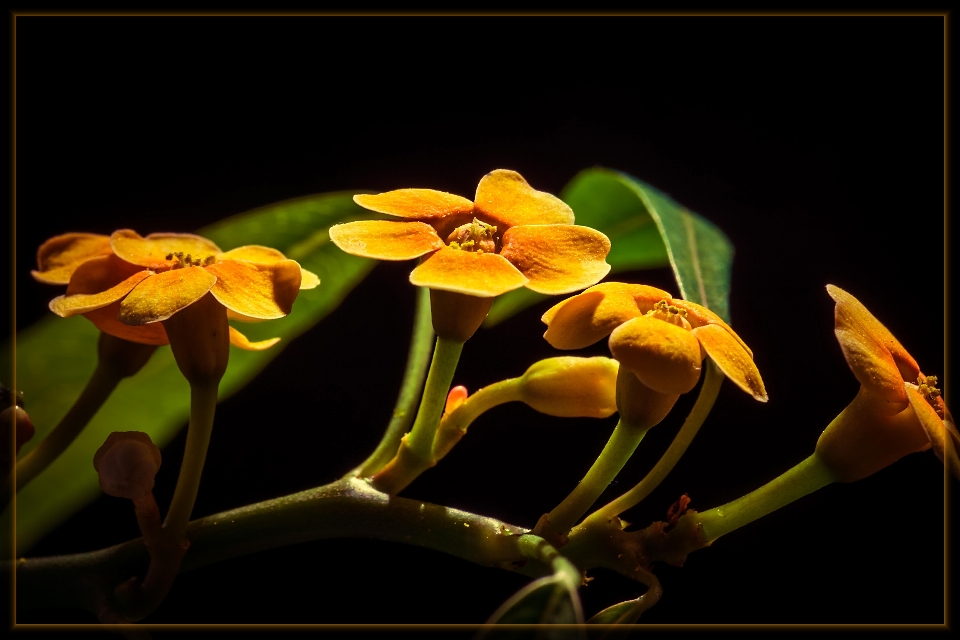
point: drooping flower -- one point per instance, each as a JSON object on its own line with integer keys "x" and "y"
{"x": 127, "y": 284}
{"x": 898, "y": 409}
{"x": 659, "y": 339}
{"x": 509, "y": 237}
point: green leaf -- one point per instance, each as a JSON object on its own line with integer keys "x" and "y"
{"x": 545, "y": 601}
{"x": 647, "y": 229}
{"x": 623, "y": 615}
{"x": 56, "y": 356}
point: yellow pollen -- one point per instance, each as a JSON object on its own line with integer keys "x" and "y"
{"x": 927, "y": 385}
{"x": 477, "y": 236}
{"x": 188, "y": 260}
{"x": 662, "y": 310}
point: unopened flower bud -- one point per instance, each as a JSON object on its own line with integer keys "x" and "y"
{"x": 16, "y": 418}
{"x": 569, "y": 387}
{"x": 455, "y": 398}
{"x": 127, "y": 464}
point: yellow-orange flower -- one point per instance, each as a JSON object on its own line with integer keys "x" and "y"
{"x": 898, "y": 410}
{"x": 662, "y": 341}
{"x": 127, "y": 284}
{"x": 510, "y": 236}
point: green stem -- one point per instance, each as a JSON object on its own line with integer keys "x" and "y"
{"x": 808, "y": 476}
{"x": 621, "y": 445}
{"x": 203, "y": 405}
{"x": 713, "y": 379}
{"x": 454, "y": 425}
{"x": 442, "y": 368}
{"x": 421, "y": 343}
{"x": 101, "y": 384}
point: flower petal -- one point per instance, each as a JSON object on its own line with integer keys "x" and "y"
{"x": 506, "y": 197}
{"x": 152, "y": 251}
{"x": 873, "y": 366}
{"x": 850, "y": 315}
{"x": 59, "y": 257}
{"x": 735, "y": 361}
{"x": 253, "y": 253}
{"x": 264, "y": 291}
{"x": 483, "y": 275}
{"x": 385, "y": 239}
{"x": 162, "y": 295}
{"x": 268, "y": 255}
{"x": 580, "y": 321}
{"x": 96, "y": 283}
{"x": 237, "y": 339}
{"x": 105, "y": 319}
{"x": 698, "y": 316}
{"x": 557, "y": 258}
{"x": 663, "y": 356}
{"x": 943, "y": 435}
{"x": 424, "y": 204}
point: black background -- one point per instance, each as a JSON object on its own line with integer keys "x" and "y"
{"x": 816, "y": 144}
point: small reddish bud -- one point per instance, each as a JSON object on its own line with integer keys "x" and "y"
{"x": 455, "y": 398}
{"x": 127, "y": 464}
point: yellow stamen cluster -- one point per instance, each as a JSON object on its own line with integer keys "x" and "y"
{"x": 927, "y": 385}
{"x": 189, "y": 261}
{"x": 475, "y": 236}
{"x": 665, "y": 311}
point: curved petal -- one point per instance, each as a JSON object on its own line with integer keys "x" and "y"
{"x": 852, "y": 316}
{"x": 557, "y": 258}
{"x": 385, "y": 239}
{"x": 735, "y": 362}
{"x": 424, "y": 204}
{"x": 152, "y": 251}
{"x": 698, "y": 316}
{"x": 239, "y": 340}
{"x": 253, "y": 253}
{"x": 71, "y": 305}
{"x": 483, "y": 275}
{"x": 59, "y": 257}
{"x": 943, "y": 435}
{"x": 264, "y": 291}
{"x": 162, "y": 295}
{"x": 97, "y": 283}
{"x": 663, "y": 356}
{"x": 507, "y": 198}
{"x": 308, "y": 279}
{"x": 580, "y": 321}
{"x": 873, "y": 366}
{"x": 105, "y": 319}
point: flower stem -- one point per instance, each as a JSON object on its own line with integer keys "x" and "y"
{"x": 445, "y": 359}
{"x": 203, "y": 405}
{"x": 102, "y": 383}
{"x": 806, "y": 477}
{"x": 698, "y": 414}
{"x": 417, "y": 360}
{"x": 621, "y": 445}
{"x": 453, "y": 426}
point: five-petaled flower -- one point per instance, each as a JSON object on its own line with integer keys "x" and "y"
{"x": 898, "y": 410}
{"x": 659, "y": 339}
{"x": 127, "y": 285}
{"x": 511, "y": 236}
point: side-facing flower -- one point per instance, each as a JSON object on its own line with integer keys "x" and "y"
{"x": 659, "y": 339}
{"x": 127, "y": 285}
{"x": 898, "y": 409}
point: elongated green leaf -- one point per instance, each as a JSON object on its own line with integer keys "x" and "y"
{"x": 56, "y": 356}
{"x": 546, "y": 601}
{"x": 647, "y": 229}
{"x": 616, "y": 620}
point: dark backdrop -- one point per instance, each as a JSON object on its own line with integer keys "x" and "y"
{"x": 816, "y": 144}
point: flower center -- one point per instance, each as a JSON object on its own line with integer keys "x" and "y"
{"x": 474, "y": 236}
{"x": 189, "y": 261}
{"x": 662, "y": 310}
{"x": 927, "y": 385}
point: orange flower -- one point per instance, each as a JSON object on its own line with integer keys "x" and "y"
{"x": 511, "y": 236}
{"x": 898, "y": 409}
{"x": 127, "y": 285}
{"x": 662, "y": 341}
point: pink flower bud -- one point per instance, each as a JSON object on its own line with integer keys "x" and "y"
{"x": 127, "y": 464}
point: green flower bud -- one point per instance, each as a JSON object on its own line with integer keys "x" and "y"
{"x": 570, "y": 387}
